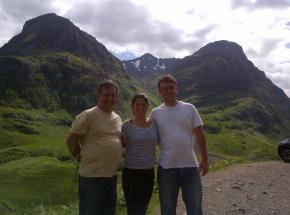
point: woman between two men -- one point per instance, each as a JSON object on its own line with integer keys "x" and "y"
{"x": 179, "y": 127}
{"x": 141, "y": 136}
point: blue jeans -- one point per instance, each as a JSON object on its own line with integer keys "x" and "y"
{"x": 171, "y": 180}
{"x": 137, "y": 186}
{"x": 98, "y": 196}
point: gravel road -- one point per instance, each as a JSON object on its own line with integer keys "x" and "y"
{"x": 261, "y": 188}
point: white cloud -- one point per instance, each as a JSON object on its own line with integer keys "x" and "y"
{"x": 171, "y": 28}
{"x": 287, "y": 45}
{"x": 267, "y": 46}
{"x": 19, "y": 10}
{"x": 251, "y": 53}
{"x": 260, "y": 4}
{"x": 201, "y": 33}
{"x": 131, "y": 25}
{"x": 13, "y": 14}
{"x": 281, "y": 77}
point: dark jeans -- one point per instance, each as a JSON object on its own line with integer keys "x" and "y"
{"x": 98, "y": 196}
{"x": 171, "y": 180}
{"x": 137, "y": 187}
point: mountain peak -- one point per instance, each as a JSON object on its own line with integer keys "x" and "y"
{"x": 221, "y": 44}
{"x": 50, "y": 20}
{"x": 54, "y": 33}
{"x": 146, "y": 55}
{"x": 224, "y": 47}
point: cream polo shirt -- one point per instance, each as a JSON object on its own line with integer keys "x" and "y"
{"x": 101, "y": 149}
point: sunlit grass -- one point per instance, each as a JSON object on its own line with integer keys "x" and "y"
{"x": 37, "y": 174}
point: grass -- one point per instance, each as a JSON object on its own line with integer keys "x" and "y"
{"x": 36, "y": 181}
{"x": 32, "y": 155}
{"x": 37, "y": 175}
{"x": 229, "y": 136}
{"x": 34, "y": 131}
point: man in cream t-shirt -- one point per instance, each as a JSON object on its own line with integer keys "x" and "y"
{"x": 94, "y": 140}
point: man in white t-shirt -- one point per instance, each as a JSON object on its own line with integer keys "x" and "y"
{"x": 179, "y": 126}
{"x": 94, "y": 140}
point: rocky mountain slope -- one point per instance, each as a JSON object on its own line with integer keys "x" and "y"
{"x": 52, "y": 64}
{"x": 49, "y": 73}
{"x": 219, "y": 76}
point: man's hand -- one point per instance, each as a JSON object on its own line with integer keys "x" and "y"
{"x": 203, "y": 168}
{"x": 72, "y": 142}
{"x": 124, "y": 140}
{"x": 201, "y": 142}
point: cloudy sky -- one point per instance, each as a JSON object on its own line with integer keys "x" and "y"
{"x": 171, "y": 28}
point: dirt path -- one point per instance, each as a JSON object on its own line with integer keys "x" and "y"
{"x": 252, "y": 189}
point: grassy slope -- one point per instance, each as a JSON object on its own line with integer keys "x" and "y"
{"x": 34, "y": 181}
{"x": 38, "y": 176}
{"x": 230, "y": 138}
{"x": 35, "y": 167}
{"x": 27, "y": 133}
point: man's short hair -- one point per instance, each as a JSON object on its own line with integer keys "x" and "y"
{"x": 107, "y": 84}
{"x": 166, "y": 78}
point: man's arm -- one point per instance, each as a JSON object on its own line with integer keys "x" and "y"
{"x": 201, "y": 141}
{"x": 73, "y": 144}
{"x": 124, "y": 141}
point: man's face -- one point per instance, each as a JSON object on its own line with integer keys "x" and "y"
{"x": 168, "y": 91}
{"x": 107, "y": 98}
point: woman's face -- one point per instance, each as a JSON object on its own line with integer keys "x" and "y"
{"x": 140, "y": 107}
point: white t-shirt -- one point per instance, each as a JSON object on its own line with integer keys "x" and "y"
{"x": 175, "y": 126}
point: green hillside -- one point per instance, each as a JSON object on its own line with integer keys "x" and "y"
{"x": 47, "y": 77}
{"x": 231, "y": 134}
{"x": 37, "y": 173}
{"x": 40, "y": 180}
{"x": 35, "y": 168}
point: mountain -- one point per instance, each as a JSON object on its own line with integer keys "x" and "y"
{"x": 231, "y": 92}
{"x": 147, "y": 65}
{"x": 49, "y": 73}
{"x": 220, "y": 73}
{"x": 222, "y": 67}
{"x": 245, "y": 115}
{"x": 55, "y": 33}
{"x": 52, "y": 64}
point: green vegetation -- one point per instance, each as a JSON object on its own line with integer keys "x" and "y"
{"x": 235, "y": 136}
{"x": 35, "y": 168}
{"x": 40, "y": 180}
{"x": 37, "y": 174}
{"x": 58, "y": 80}
{"x": 41, "y": 93}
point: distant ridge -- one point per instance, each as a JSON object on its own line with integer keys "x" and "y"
{"x": 147, "y": 65}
